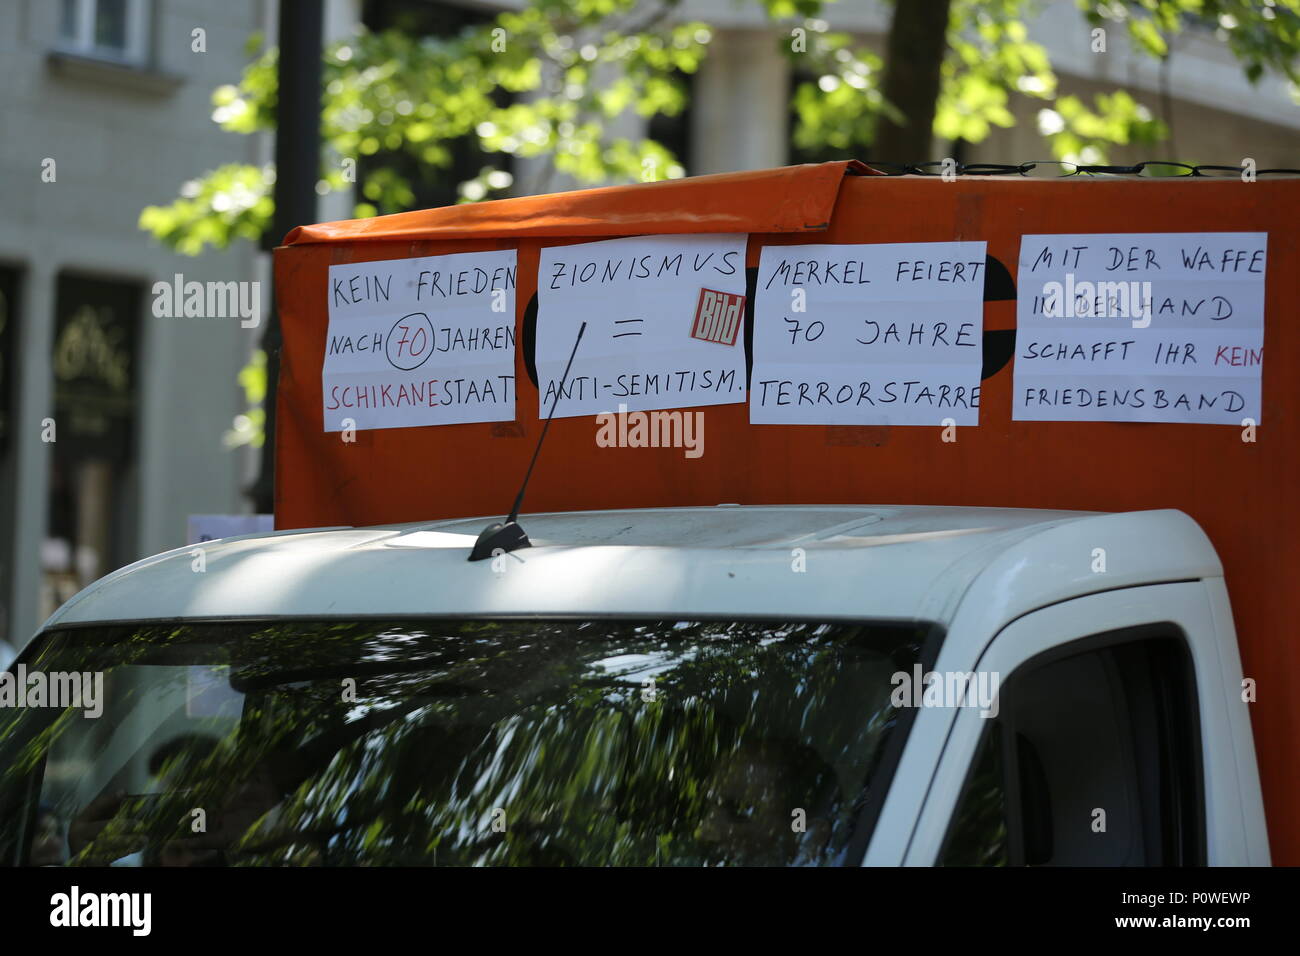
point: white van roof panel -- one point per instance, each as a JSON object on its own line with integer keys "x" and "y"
{"x": 832, "y": 562}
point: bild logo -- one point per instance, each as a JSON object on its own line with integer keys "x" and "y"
{"x": 717, "y": 317}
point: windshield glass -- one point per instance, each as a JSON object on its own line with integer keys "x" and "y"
{"x": 452, "y": 742}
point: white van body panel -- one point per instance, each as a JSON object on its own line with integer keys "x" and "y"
{"x": 1232, "y": 794}
{"x": 1238, "y": 729}
{"x": 975, "y": 572}
{"x": 858, "y": 562}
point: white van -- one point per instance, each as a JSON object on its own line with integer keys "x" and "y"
{"x": 696, "y": 686}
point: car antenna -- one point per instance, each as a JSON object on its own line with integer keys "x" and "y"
{"x": 508, "y": 536}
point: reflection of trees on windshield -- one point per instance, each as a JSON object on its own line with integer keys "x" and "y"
{"x": 469, "y": 743}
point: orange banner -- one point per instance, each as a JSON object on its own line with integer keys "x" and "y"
{"x": 1244, "y": 494}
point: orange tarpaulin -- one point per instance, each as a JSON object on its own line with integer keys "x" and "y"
{"x": 1244, "y": 494}
{"x": 790, "y": 199}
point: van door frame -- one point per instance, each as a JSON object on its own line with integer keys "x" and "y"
{"x": 1185, "y": 605}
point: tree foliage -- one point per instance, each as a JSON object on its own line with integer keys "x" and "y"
{"x": 567, "y": 69}
{"x": 550, "y": 80}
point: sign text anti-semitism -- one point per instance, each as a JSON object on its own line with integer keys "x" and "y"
{"x": 664, "y": 320}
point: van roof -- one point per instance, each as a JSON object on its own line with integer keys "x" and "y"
{"x": 816, "y": 561}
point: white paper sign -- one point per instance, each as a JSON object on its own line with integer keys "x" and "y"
{"x": 871, "y": 334}
{"x": 1165, "y": 327}
{"x": 427, "y": 341}
{"x": 665, "y": 323}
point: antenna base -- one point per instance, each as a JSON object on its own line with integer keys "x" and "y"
{"x": 498, "y": 536}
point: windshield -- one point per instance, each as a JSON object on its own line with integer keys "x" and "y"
{"x": 453, "y": 742}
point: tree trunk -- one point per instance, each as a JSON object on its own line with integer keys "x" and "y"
{"x": 918, "y": 38}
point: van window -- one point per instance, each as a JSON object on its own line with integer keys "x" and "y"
{"x": 1093, "y": 760}
{"x": 457, "y": 742}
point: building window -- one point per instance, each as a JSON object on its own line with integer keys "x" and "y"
{"x": 8, "y": 342}
{"x": 10, "y": 279}
{"x": 796, "y": 154}
{"x": 108, "y": 29}
{"x": 674, "y": 132}
{"x": 90, "y": 503}
{"x": 432, "y": 186}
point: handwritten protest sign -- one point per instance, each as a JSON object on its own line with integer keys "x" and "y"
{"x": 664, "y": 314}
{"x": 871, "y": 334}
{"x": 1165, "y": 327}
{"x": 428, "y": 341}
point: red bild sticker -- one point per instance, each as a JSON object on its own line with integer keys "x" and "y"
{"x": 718, "y": 317}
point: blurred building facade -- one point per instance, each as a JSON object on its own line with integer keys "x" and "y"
{"x": 111, "y": 419}
{"x": 106, "y": 109}
{"x": 740, "y": 115}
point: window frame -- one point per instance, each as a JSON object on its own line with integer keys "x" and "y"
{"x": 1233, "y": 830}
{"x": 1190, "y": 777}
{"x": 81, "y": 42}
